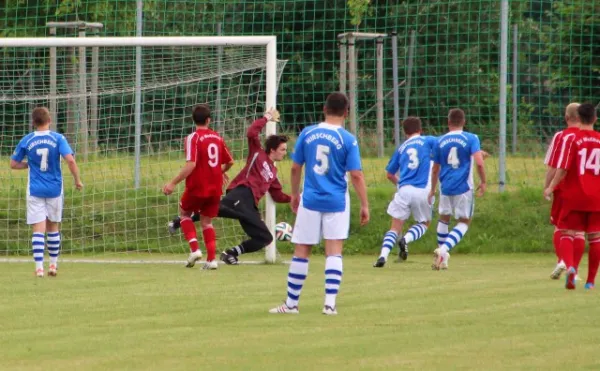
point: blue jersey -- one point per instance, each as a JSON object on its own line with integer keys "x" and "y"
{"x": 413, "y": 159}
{"x": 454, "y": 153}
{"x": 43, "y": 150}
{"x": 328, "y": 151}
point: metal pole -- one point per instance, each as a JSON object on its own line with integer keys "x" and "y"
{"x": 83, "y": 123}
{"x": 380, "y": 142}
{"x": 515, "y": 74}
{"x": 94, "y": 96}
{"x": 271, "y": 102}
{"x": 138, "y": 95}
{"x": 343, "y": 65}
{"x": 503, "y": 82}
{"x": 352, "y": 85}
{"x": 218, "y": 115}
{"x": 53, "y": 105}
{"x": 411, "y": 57}
{"x": 396, "y": 88}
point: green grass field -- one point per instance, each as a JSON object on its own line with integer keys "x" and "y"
{"x": 494, "y": 312}
{"x": 110, "y": 216}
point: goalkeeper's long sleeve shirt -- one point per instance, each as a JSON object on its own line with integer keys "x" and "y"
{"x": 259, "y": 174}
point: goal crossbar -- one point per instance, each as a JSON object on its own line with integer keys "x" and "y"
{"x": 270, "y": 43}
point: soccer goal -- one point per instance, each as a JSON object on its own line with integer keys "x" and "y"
{"x": 124, "y": 104}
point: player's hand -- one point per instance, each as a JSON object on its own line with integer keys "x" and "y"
{"x": 78, "y": 185}
{"x": 548, "y": 193}
{"x": 225, "y": 180}
{"x": 295, "y": 203}
{"x": 168, "y": 189}
{"x": 364, "y": 215}
{"x": 481, "y": 189}
{"x": 430, "y": 197}
{"x": 272, "y": 115}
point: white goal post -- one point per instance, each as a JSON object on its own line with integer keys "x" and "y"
{"x": 271, "y": 79}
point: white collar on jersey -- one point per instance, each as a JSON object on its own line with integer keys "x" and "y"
{"x": 43, "y": 132}
{"x": 329, "y": 126}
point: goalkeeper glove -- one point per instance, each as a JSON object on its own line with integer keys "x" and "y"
{"x": 272, "y": 115}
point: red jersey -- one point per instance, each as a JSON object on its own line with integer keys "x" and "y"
{"x": 556, "y": 147}
{"x": 208, "y": 150}
{"x": 580, "y": 156}
{"x": 259, "y": 174}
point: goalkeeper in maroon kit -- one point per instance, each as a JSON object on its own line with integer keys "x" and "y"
{"x": 258, "y": 177}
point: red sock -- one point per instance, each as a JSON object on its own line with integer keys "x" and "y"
{"x": 566, "y": 250}
{"x": 189, "y": 231}
{"x": 578, "y": 249}
{"x": 556, "y": 243}
{"x": 594, "y": 260}
{"x": 210, "y": 240}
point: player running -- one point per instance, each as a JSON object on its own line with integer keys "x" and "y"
{"x": 207, "y": 162}
{"x": 413, "y": 159}
{"x": 245, "y": 191}
{"x": 453, "y": 165}
{"x": 323, "y": 209}
{"x": 579, "y": 167}
{"x": 43, "y": 149}
{"x": 551, "y": 160}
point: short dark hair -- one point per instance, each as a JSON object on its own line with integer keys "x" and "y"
{"x": 456, "y": 117}
{"x": 201, "y": 114}
{"x": 40, "y": 116}
{"x": 587, "y": 113}
{"x": 411, "y": 125}
{"x": 336, "y": 104}
{"x": 274, "y": 141}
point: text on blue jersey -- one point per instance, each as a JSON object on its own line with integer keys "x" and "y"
{"x": 413, "y": 160}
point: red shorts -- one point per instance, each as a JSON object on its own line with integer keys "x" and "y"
{"x": 206, "y": 206}
{"x": 556, "y": 206}
{"x": 581, "y": 221}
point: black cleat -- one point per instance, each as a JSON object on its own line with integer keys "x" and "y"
{"x": 403, "y": 254}
{"x": 229, "y": 259}
{"x": 379, "y": 263}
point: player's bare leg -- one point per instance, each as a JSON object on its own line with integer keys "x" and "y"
{"x": 389, "y": 240}
{"x": 38, "y": 244}
{"x": 53, "y": 243}
{"x": 296, "y": 276}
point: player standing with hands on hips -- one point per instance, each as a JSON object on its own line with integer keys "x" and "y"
{"x": 323, "y": 208}
{"x": 43, "y": 149}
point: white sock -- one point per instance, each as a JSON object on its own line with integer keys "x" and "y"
{"x": 415, "y": 232}
{"x": 442, "y": 232}
{"x": 296, "y": 277}
{"x": 53, "y": 246}
{"x": 455, "y": 236}
{"x": 389, "y": 240}
{"x": 333, "y": 278}
{"x": 37, "y": 245}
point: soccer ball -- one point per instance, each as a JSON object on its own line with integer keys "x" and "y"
{"x": 283, "y": 231}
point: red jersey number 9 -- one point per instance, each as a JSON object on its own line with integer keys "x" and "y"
{"x": 213, "y": 155}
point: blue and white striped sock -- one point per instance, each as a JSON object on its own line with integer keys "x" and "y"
{"x": 442, "y": 232}
{"x": 296, "y": 277}
{"x": 455, "y": 236}
{"x": 415, "y": 232}
{"x": 37, "y": 245}
{"x": 333, "y": 278}
{"x": 53, "y": 246}
{"x": 389, "y": 240}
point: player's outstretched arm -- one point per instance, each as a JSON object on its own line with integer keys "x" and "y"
{"x": 254, "y": 130}
{"x": 358, "y": 182}
{"x": 478, "y": 156}
{"x": 74, "y": 169}
{"x": 18, "y": 165}
{"x": 276, "y": 192}
{"x": 185, "y": 171}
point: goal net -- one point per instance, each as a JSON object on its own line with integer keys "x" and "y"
{"x": 124, "y": 105}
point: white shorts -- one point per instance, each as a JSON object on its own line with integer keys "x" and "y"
{"x": 311, "y": 225}
{"x": 38, "y": 209}
{"x": 461, "y": 206}
{"x": 409, "y": 199}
